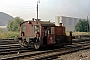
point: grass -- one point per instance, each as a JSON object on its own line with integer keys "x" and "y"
{"x": 4, "y": 34}
{"x": 9, "y": 34}
{"x": 78, "y": 33}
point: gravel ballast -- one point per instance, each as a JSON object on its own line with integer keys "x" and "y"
{"x": 79, "y": 55}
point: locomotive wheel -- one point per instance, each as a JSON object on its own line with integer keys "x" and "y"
{"x": 36, "y": 43}
{"x": 21, "y": 43}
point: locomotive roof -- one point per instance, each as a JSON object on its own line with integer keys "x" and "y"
{"x": 46, "y": 23}
{"x": 43, "y": 23}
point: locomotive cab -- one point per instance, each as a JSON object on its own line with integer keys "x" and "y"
{"x": 35, "y": 33}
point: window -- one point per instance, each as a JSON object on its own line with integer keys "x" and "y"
{"x": 49, "y": 30}
{"x": 36, "y": 28}
{"x": 52, "y": 30}
{"x": 24, "y": 28}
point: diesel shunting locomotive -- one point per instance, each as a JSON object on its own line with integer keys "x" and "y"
{"x": 36, "y": 33}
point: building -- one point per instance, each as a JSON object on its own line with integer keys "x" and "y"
{"x": 3, "y": 28}
{"x": 68, "y": 22}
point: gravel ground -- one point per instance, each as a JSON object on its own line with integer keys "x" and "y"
{"x": 79, "y": 55}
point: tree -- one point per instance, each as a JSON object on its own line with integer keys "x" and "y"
{"x": 82, "y": 26}
{"x": 14, "y": 25}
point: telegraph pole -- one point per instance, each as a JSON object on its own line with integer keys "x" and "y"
{"x": 37, "y": 8}
{"x": 87, "y": 23}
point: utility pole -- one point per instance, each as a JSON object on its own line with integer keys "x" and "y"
{"x": 87, "y": 23}
{"x": 37, "y": 8}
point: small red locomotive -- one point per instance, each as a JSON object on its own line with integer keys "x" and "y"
{"x": 42, "y": 33}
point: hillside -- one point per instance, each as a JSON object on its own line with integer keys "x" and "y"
{"x": 4, "y": 18}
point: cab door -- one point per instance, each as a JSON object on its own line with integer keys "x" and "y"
{"x": 51, "y": 36}
{"x": 45, "y": 35}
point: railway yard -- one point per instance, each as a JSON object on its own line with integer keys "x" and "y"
{"x": 43, "y": 38}
{"x": 79, "y": 50}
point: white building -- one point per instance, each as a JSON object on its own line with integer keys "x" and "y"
{"x": 68, "y": 22}
{"x": 3, "y": 28}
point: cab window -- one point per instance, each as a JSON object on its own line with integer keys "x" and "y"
{"x": 51, "y": 30}
{"x": 24, "y": 28}
{"x": 36, "y": 28}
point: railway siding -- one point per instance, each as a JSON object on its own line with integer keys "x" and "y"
{"x": 48, "y": 54}
{"x": 15, "y": 52}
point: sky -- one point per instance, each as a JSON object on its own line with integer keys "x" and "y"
{"x": 48, "y": 9}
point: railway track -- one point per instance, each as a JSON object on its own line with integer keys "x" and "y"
{"x": 11, "y": 47}
{"x": 6, "y": 42}
{"x": 47, "y": 54}
{"x": 14, "y": 48}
